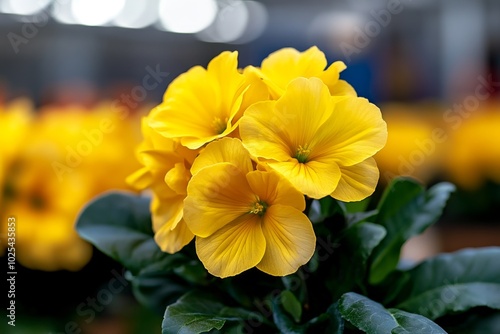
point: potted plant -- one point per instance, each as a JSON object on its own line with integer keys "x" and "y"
{"x": 255, "y": 215}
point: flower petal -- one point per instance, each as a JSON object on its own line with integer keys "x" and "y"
{"x": 166, "y": 211}
{"x": 231, "y": 83}
{"x": 177, "y": 178}
{"x": 224, "y": 150}
{"x": 199, "y": 105}
{"x": 153, "y": 140}
{"x": 257, "y": 89}
{"x": 357, "y": 182}
{"x": 157, "y": 160}
{"x": 275, "y": 133}
{"x": 308, "y": 104}
{"x": 140, "y": 179}
{"x": 275, "y": 189}
{"x": 173, "y": 239}
{"x": 264, "y": 135}
{"x": 290, "y": 240}
{"x": 234, "y": 248}
{"x": 354, "y": 132}
{"x": 217, "y": 195}
{"x": 284, "y": 65}
{"x": 315, "y": 179}
{"x": 331, "y": 75}
{"x": 342, "y": 88}
{"x": 188, "y": 106}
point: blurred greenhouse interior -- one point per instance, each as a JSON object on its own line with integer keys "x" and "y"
{"x": 85, "y": 71}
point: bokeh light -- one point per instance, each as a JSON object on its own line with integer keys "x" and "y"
{"x": 137, "y": 14}
{"x": 96, "y": 12}
{"x": 23, "y": 7}
{"x": 187, "y": 16}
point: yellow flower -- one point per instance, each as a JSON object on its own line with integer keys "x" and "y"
{"x": 411, "y": 149}
{"x": 284, "y": 65}
{"x": 45, "y": 210}
{"x": 224, "y": 150}
{"x": 244, "y": 219}
{"x": 166, "y": 172}
{"x": 205, "y": 104}
{"x": 15, "y": 122}
{"x": 471, "y": 158}
{"x": 69, "y": 156}
{"x": 323, "y": 145}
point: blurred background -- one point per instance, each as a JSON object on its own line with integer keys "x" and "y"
{"x": 77, "y": 75}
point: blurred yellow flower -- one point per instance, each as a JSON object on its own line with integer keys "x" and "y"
{"x": 45, "y": 210}
{"x": 284, "y": 65}
{"x": 415, "y": 144}
{"x": 322, "y": 144}
{"x": 473, "y": 154}
{"x": 69, "y": 156}
{"x": 166, "y": 172}
{"x": 205, "y": 104}
{"x": 244, "y": 219}
{"x": 15, "y": 121}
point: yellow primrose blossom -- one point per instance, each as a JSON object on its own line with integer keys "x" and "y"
{"x": 205, "y": 104}
{"x": 284, "y": 65}
{"x": 15, "y": 121}
{"x": 46, "y": 210}
{"x": 244, "y": 219}
{"x": 166, "y": 172}
{"x": 70, "y": 155}
{"x": 322, "y": 144}
{"x": 415, "y": 142}
{"x": 472, "y": 156}
{"x": 224, "y": 150}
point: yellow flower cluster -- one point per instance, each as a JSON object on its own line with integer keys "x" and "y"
{"x": 414, "y": 147}
{"x": 473, "y": 152}
{"x": 229, "y": 155}
{"x": 426, "y": 143}
{"x": 53, "y": 162}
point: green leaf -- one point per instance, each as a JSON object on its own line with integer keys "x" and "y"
{"x": 336, "y": 322}
{"x": 155, "y": 290}
{"x": 451, "y": 283}
{"x": 405, "y": 210}
{"x": 193, "y": 271}
{"x": 366, "y": 314}
{"x": 480, "y": 320}
{"x": 410, "y": 323}
{"x": 336, "y": 325}
{"x": 297, "y": 283}
{"x": 354, "y": 218}
{"x": 372, "y": 318}
{"x": 291, "y": 304}
{"x": 283, "y": 321}
{"x": 359, "y": 206}
{"x": 361, "y": 239}
{"x": 356, "y": 245}
{"x": 119, "y": 224}
{"x": 330, "y": 322}
{"x": 196, "y": 312}
{"x": 325, "y": 208}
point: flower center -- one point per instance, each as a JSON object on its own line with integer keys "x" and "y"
{"x": 259, "y": 208}
{"x": 302, "y": 153}
{"x": 37, "y": 201}
{"x": 219, "y": 125}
